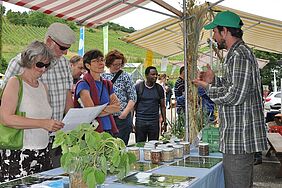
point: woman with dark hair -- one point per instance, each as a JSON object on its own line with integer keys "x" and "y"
{"x": 93, "y": 90}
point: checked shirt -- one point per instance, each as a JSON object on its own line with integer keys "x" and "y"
{"x": 239, "y": 97}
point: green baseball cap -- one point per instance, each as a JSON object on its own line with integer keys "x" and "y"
{"x": 225, "y": 19}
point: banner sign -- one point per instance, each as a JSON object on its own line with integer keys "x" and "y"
{"x": 149, "y": 59}
{"x": 106, "y": 41}
{"x": 81, "y": 42}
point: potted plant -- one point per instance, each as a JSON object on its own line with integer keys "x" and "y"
{"x": 89, "y": 155}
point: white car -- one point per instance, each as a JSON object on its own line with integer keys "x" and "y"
{"x": 272, "y": 100}
{"x": 1, "y": 84}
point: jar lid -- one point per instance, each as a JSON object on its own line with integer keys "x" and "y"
{"x": 178, "y": 146}
{"x": 147, "y": 149}
{"x": 185, "y": 143}
{"x": 156, "y": 150}
{"x": 168, "y": 149}
{"x": 169, "y": 145}
{"x": 203, "y": 144}
{"x": 133, "y": 148}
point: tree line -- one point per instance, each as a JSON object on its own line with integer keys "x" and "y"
{"x": 39, "y": 19}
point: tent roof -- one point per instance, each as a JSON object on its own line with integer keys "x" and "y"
{"x": 166, "y": 37}
{"x": 86, "y": 12}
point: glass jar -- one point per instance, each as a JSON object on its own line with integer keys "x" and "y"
{"x": 147, "y": 154}
{"x": 156, "y": 156}
{"x": 167, "y": 155}
{"x": 178, "y": 151}
{"x": 186, "y": 147}
{"x": 135, "y": 151}
{"x": 203, "y": 149}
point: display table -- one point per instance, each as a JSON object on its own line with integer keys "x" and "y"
{"x": 203, "y": 177}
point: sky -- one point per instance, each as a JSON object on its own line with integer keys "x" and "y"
{"x": 269, "y": 9}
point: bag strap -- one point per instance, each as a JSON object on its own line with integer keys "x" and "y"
{"x": 116, "y": 76}
{"x": 20, "y": 94}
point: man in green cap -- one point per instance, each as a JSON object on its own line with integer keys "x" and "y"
{"x": 238, "y": 96}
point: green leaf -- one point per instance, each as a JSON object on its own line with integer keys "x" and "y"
{"x": 116, "y": 158}
{"x": 103, "y": 163}
{"x": 131, "y": 158}
{"x": 121, "y": 173}
{"x": 92, "y": 138}
{"x": 59, "y": 139}
{"x": 100, "y": 176}
{"x": 105, "y": 136}
{"x": 91, "y": 179}
{"x": 112, "y": 169}
{"x": 74, "y": 149}
{"x": 87, "y": 171}
{"x": 121, "y": 143}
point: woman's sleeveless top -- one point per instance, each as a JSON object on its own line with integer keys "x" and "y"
{"x": 36, "y": 105}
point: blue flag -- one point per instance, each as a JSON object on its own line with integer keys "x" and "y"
{"x": 81, "y": 42}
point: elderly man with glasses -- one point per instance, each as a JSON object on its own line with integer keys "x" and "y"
{"x": 58, "y": 38}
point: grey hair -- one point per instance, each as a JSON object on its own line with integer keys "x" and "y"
{"x": 34, "y": 51}
{"x": 75, "y": 59}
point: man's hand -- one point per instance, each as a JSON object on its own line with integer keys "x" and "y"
{"x": 164, "y": 127}
{"x": 198, "y": 82}
{"x": 206, "y": 76}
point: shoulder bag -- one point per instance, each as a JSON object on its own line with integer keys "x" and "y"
{"x": 12, "y": 138}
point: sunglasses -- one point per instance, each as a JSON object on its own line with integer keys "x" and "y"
{"x": 63, "y": 48}
{"x": 41, "y": 65}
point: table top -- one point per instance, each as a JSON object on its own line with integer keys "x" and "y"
{"x": 200, "y": 177}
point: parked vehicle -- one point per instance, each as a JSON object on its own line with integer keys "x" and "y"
{"x": 272, "y": 100}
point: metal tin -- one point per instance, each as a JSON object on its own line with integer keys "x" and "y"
{"x": 156, "y": 156}
{"x": 186, "y": 147}
{"x": 167, "y": 155}
{"x": 178, "y": 151}
{"x": 135, "y": 151}
{"x": 203, "y": 149}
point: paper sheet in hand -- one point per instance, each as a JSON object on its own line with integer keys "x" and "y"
{"x": 76, "y": 116}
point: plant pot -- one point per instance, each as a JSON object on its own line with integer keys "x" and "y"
{"x": 76, "y": 181}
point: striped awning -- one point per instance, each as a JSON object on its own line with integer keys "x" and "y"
{"x": 166, "y": 37}
{"x": 86, "y": 12}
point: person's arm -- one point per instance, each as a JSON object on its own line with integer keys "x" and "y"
{"x": 129, "y": 108}
{"x": 163, "y": 112}
{"x": 8, "y": 108}
{"x": 113, "y": 107}
{"x": 132, "y": 98}
{"x": 86, "y": 98}
{"x": 13, "y": 68}
{"x": 69, "y": 101}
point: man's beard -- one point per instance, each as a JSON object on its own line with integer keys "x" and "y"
{"x": 221, "y": 44}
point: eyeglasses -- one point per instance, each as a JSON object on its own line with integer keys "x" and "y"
{"x": 117, "y": 65}
{"x": 63, "y": 48}
{"x": 101, "y": 59}
{"x": 41, "y": 65}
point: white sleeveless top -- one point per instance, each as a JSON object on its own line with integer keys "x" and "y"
{"x": 35, "y": 104}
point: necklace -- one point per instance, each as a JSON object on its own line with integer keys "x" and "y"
{"x": 149, "y": 87}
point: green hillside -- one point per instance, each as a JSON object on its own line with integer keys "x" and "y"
{"x": 16, "y": 38}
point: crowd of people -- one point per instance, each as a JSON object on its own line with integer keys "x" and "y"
{"x": 52, "y": 85}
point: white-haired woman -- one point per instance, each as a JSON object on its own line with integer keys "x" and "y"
{"x": 34, "y": 156}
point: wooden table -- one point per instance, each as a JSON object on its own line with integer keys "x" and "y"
{"x": 275, "y": 142}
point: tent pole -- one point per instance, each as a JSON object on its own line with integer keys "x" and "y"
{"x": 185, "y": 47}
